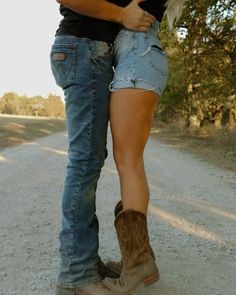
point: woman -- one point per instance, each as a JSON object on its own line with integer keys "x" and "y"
{"x": 140, "y": 77}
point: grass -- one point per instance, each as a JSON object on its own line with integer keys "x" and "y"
{"x": 216, "y": 146}
{"x": 16, "y": 129}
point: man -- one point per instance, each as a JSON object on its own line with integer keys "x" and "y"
{"x": 81, "y": 61}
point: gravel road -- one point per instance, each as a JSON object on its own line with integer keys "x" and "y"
{"x": 192, "y": 219}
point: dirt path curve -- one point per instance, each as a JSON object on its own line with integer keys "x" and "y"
{"x": 192, "y": 219}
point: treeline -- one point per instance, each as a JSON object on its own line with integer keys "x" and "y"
{"x": 51, "y": 106}
{"x": 202, "y": 59}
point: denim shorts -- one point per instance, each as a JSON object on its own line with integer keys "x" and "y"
{"x": 140, "y": 61}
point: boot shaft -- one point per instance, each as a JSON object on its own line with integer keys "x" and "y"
{"x": 117, "y": 210}
{"x": 132, "y": 233}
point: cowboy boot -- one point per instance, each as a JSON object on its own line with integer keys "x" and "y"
{"x": 138, "y": 264}
{"x": 116, "y": 266}
{"x": 117, "y": 210}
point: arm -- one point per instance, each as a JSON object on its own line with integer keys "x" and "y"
{"x": 132, "y": 16}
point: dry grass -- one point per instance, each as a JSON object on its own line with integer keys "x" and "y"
{"x": 16, "y": 129}
{"x": 217, "y": 146}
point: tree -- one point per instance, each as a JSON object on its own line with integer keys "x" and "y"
{"x": 11, "y": 103}
{"x": 205, "y": 69}
{"x": 54, "y": 106}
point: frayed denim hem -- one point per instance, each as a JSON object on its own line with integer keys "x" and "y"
{"x": 78, "y": 284}
{"x": 121, "y": 83}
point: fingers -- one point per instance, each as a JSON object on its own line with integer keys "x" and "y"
{"x": 136, "y": 19}
{"x": 142, "y": 29}
{"x": 148, "y": 17}
{"x": 147, "y": 21}
{"x": 145, "y": 26}
{"x": 145, "y": 13}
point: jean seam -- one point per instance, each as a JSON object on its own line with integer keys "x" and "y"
{"x": 76, "y": 194}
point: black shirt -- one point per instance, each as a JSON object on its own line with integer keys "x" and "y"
{"x": 155, "y": 7}
{"x": 83, "y": 26}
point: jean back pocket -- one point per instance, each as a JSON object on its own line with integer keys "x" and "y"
{"x": 63, "y": 63}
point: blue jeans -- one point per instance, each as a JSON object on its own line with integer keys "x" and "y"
{"x": 83, "y": 68}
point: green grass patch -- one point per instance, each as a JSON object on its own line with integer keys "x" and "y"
{"x": 16, "y": 129}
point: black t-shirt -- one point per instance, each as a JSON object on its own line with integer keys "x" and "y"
{"x": 155, "y": 7}
{"x": 79, "y": 25}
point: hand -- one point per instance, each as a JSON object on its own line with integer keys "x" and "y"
{"x": 136, "y": 19}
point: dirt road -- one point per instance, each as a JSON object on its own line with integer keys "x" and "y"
{"x": 192, "y": 219}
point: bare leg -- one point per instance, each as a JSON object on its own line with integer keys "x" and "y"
{"x": 131, "y": 114}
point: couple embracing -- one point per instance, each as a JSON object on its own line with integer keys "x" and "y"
{"x": 94, "y": 37}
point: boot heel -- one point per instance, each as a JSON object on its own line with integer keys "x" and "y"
{"x": 152, "y": 279}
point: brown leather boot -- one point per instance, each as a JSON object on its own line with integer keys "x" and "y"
{"x": 116, "y": 266}
{"x": 138, "y": 263}
{"x": 93, "y": 289}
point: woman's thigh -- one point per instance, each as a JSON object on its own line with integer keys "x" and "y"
{"x": 131, "y": 114}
